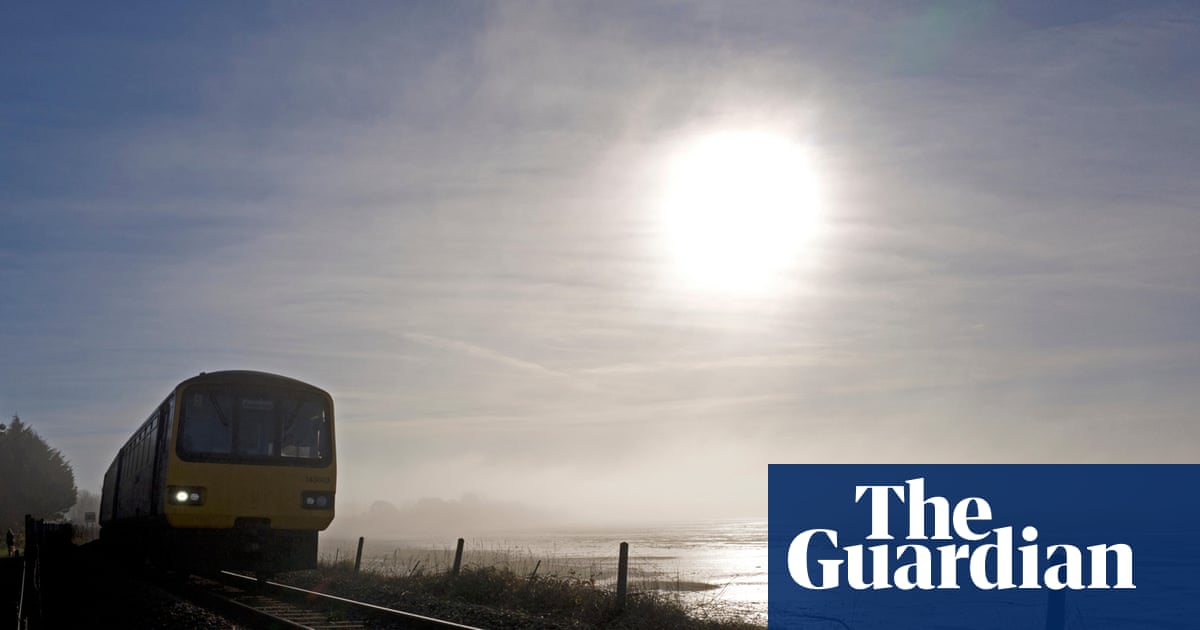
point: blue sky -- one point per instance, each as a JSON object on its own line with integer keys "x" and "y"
{"x": 447, "y": 214}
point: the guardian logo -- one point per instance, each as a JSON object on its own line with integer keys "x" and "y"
{"x": 974, "y": 552}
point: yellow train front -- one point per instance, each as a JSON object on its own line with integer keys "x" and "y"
{"x": 233, "y": 470}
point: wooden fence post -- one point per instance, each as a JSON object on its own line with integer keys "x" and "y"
{"x": 458, "y": 557}
{"x": 31, "y": 593}
{"x": 622, "y": 575}
{"x": 358, "y": 555}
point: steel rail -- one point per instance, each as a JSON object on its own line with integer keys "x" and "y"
{"x": 413, "y": 619}
{"x": 244, "y": 612}
{"x": 259, "y": 612}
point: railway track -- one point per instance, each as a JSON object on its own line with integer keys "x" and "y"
{"x": 266, "y": 604}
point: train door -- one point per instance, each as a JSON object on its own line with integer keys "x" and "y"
{"x": 162, "y": 436}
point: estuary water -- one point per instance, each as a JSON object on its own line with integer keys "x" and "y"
{"x": 719, "y": 569}
{"x": 716, "y": 568}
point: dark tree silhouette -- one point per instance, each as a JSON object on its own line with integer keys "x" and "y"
{"x": 34, "y": 478}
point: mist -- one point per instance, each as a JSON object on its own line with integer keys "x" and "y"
{"x": 448, "y": 215}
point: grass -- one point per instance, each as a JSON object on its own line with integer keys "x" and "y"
{"x": 514, "y": 593}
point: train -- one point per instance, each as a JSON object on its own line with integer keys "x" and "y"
{"x": 233, "y": 470}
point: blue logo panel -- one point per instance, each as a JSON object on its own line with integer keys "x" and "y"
{"x": 984, "y": 547}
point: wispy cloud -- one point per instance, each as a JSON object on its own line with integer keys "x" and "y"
{"x": 445, "y": 214}
{"x": 480, "y": 352}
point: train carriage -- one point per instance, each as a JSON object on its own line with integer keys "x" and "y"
{"x": 233, "y": 470}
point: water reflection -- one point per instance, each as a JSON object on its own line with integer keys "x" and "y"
{"x": 715, "y": 568}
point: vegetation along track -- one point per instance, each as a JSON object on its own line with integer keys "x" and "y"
{"x": 262, "y": 603}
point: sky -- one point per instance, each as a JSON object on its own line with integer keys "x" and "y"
{"x": 609, "y": 260}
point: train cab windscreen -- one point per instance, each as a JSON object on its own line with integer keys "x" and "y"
{"x": 253, "y": 426}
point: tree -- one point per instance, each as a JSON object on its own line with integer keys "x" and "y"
{"x": 34, "y": 478}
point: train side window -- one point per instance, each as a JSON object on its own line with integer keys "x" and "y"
{"x": 169, "y": 420}
{"x": 206, "y": 423}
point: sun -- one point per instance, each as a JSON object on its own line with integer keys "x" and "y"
{"x": 737, "y": 210}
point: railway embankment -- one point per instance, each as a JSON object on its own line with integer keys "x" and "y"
{"x": 491, "y": 597}
{"x": 11, "y": 570}
{"x": 81, "y": 586}
{"x": 69, "y": 586}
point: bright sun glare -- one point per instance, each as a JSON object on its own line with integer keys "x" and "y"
{"x": 737, "y": 211}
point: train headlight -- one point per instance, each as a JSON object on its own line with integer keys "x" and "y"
{"x": 316, "y": 500}
{"x": 179, "y": 495}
